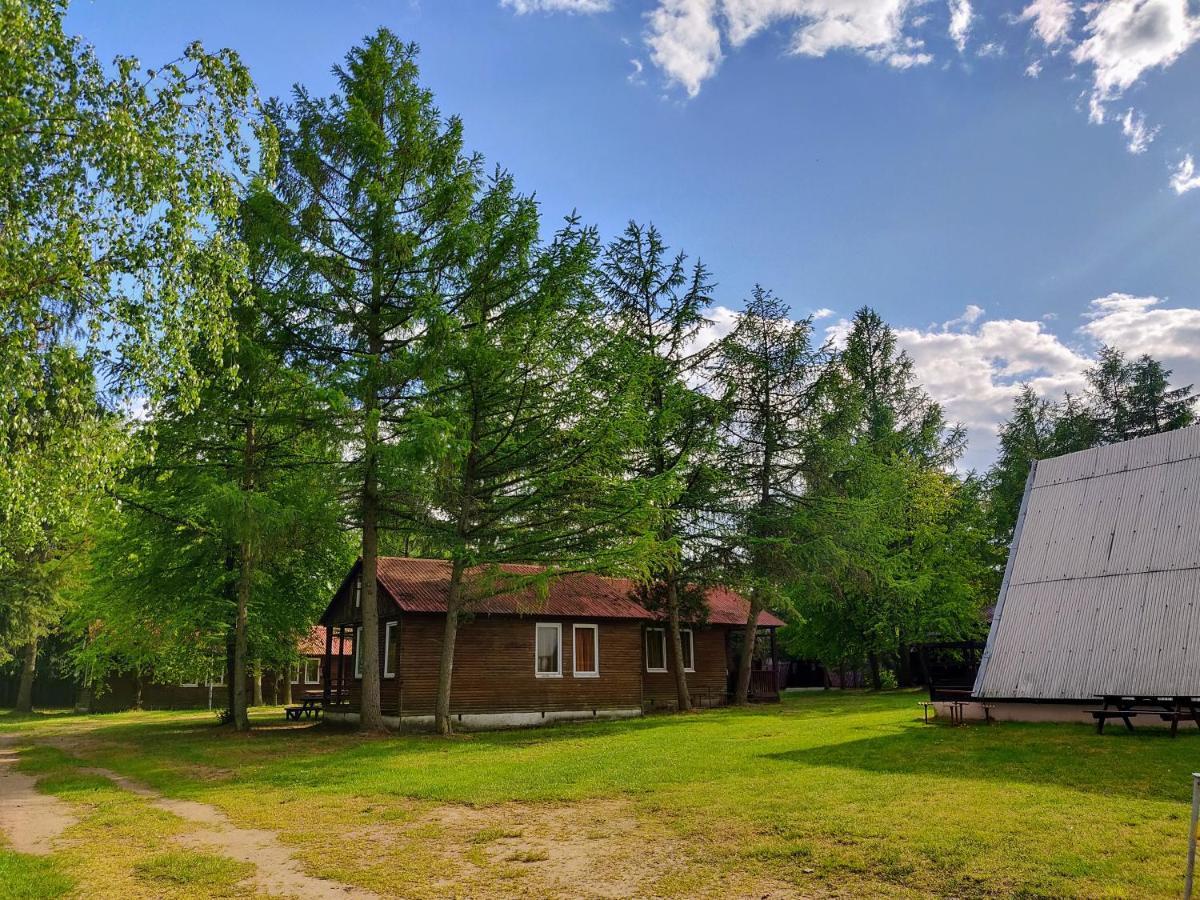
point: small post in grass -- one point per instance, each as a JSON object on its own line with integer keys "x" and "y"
{"x": 1191, "y": 863}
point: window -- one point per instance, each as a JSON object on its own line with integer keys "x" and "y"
{"x": 391, "y": 648}
{"x": 357, "y": 593}
{"x": 189, "y": 684}
{"x": 689, "y": 650}
{"x": 587, "y": 651}
{"x": 295, "y": 674}
{"x": 218, "y": 679}
{"x": 547, "y": 652}
{"x": 312, "y": 670}
{"x": 656, "y": 650}
{"x": 358, "y": 652}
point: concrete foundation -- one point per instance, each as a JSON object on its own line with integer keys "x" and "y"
{"x": 494, "y": 721}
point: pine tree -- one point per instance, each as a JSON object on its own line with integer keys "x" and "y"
{"x": 1155, "y": 406}
{"x": 380, "y": 195}
{"x": 535, "y": 425}
{"x": 1028, "y": 435}
{"x": 770, "y": 375}
{"x": 656, "y": 302}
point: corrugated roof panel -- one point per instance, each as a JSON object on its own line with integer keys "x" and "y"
{"x": 1104, "y": 591}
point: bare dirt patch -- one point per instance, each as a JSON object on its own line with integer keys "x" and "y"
{"x": 30, "y": 820}
{"x": 277, "y": 873}
{"x": 597, "y": 848}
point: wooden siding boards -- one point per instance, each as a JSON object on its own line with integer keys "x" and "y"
{"x": 1101, "y": 591}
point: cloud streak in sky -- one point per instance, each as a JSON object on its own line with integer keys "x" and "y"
{"x": 1116, "y": 43}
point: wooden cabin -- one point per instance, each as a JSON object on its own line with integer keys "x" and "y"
{"x": 208, "y": 690}
{"x": 586, "y": 649}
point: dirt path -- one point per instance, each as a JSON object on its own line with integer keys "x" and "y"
{"x": 31, "y": 821}
{"x": 277, "y": 872}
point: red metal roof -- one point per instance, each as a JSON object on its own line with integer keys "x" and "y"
{"x": 420, "y": 585}
{"x": 313, "y": 644}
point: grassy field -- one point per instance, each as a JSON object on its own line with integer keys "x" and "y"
{"x": 824, "y": 795}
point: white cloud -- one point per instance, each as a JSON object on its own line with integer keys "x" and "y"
{"x": 823, "y": 313}
{"x": 1051, "y": 20}
{"x": 635, "y": 76}
{"x": 1184, "y": 178}
{"x": 521, "y": 7}
{"x": 685, "y": 42}
{"x": 1140, "y": 325}
{"x": 975, "y": 367}
{"x": 960, "y": 22}
{"x": 1127, "y": 37}
{"x": 685, "y": 36}
{"x": 1034, "y": 69}
{"x": 1133, "y": 126}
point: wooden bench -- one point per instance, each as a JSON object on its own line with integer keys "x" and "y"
{"x": 1176, "y": 716}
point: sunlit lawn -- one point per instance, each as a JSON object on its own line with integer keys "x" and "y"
{"x": 845, "y": 794}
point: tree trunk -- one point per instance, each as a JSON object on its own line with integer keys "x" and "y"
{"x": 683, "y": 698}
{"x": 139, "y": 682}
{"x": 442, "y": 719}
{"x": 287, "y": 689}
{"x": 903, "y": 665}
{"x": 876, "y": 680}
{"x": 241, "y": 718}
{"x": 749, "y": 638}
{"x": 28, "y": 671}
{"x": 258, "y": 686}
{"x": 83, "y": 697}
{"x": 370, "y": 712}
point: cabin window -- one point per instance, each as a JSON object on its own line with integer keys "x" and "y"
{"x": 358, "y": 652}
{"x": 656, "y": 650}
{"x": 357, "y": 593}
{"x": 587, "y": 651}
{"x": 189, "y": 684}
{"x": 548, "y": 650}
{"x": 218, "y": 679}
{"x": 295, "y": 673}
{"x": 312, "y": 670}
{"x": 689, "y": 649}
{"x": 391, "y": 648}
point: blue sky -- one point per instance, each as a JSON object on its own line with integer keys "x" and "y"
{"x": 969, "y": 170}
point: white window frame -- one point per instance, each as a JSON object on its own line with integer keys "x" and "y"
{"x": 295, "y": 673}
{"x": 388, "y": 672}
{"x": 662, "y": 633}
{"x": 189, "y": 684}
{"x": 691, "y": 648}
{"x": 358, "y": 652}
{"x": 217, "y": 680}
{"x": 537, "y": 628}
{"x": 313, "y": 661}
{"x": 358, "y": 592}
{"x": 595, "y": 651}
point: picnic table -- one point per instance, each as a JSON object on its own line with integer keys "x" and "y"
{"x": 1126, "y": 707}
{"x": 307, "y": 708}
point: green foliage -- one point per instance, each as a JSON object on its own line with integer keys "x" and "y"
{"x": 892, "y": 547}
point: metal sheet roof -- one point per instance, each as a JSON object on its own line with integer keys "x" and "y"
{"x": 1102, "y": 590}
{"x": 420, "y": 585}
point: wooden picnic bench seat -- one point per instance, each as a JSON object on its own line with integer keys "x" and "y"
{"x": 1103, "y": 715}
{"x": 306, "y": 709}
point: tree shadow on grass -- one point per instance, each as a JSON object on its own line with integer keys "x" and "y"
{"x": 1147, "y": 764}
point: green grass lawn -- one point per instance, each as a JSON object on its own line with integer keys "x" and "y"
{"x": 842, "y": 794}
